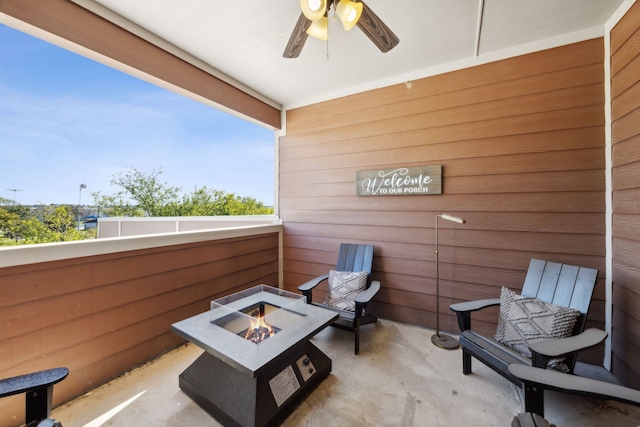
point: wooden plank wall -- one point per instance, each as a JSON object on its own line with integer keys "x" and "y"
{"x": 521, "y": 144}
{"x": 625, "y": 88}
{"x": 101, "y": 316}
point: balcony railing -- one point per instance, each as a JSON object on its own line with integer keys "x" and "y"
{"x": 136, "y": 226}
{"x": 104, "y": 306}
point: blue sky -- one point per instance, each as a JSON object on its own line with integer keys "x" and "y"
{"x": 67, "y": 120}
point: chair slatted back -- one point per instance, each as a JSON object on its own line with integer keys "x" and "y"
{"x": 566, "y": 288}
{"x": 561, "y": 284}
{"x": 356, "y": 258}
{"x": 549, "y": 282}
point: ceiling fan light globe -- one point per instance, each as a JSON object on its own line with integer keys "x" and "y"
{"x": 313, "y": 9}
{"x": 349, "y": 12}
{"x": 319, "y": 29}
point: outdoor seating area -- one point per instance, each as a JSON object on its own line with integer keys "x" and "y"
{"x": 399, "y": 379}
{"x": 521, "y": 118}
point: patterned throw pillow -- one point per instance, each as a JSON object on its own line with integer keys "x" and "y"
{"x": 343, "y": 288}
{"x": 524, "y": 320}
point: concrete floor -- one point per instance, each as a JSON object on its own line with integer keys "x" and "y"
{"x": 399, "y": 379}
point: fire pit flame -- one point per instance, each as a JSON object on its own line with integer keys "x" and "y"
{"x": 259, "y": 330}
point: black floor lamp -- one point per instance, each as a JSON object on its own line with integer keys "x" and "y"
{"x": 438, "y": 339}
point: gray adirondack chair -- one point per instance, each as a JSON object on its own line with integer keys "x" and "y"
{"x": 555, "y": 283}
{"x": 536, "y": 380}
{"x": 352, "y": 258}
{"x": 38, "y": 389}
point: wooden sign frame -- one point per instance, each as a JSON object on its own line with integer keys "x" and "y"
{"x": 401, "y": 181}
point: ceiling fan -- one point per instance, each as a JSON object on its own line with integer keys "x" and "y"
{"x": 314, "y": 21}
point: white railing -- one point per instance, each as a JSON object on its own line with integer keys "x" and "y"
{"x": 138, "y": 226}
{"x": 31, "y": 254}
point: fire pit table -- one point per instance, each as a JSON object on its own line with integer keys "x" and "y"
{"x": 258, "y": 363}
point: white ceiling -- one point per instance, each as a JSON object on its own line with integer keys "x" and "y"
{"x": 244, "y": 39}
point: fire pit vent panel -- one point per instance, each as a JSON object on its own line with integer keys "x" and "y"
{"x": 258, "y": 313}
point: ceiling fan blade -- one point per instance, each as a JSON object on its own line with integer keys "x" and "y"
{"x": 298, "y": 38}
{"x": 376, "y": 30}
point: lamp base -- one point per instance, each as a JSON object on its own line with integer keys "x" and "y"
{"x": 445, "y": 341}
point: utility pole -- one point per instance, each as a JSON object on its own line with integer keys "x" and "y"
{"x": 15, "y": 190}
{"x": 82, "y": 187}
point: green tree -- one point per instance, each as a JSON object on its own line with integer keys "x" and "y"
{"x": 23, "y": 212}
{"x": 148, "y": 193}
{"x": 208, "y": 202}
{"x": 115, "y": 205}
{"x": 143, "y": 194}
{"x": 9, "y": 223}
{"x": 52, "y": 224}
{"x": 47, "y": 224}
{"x": 11, "y": 220}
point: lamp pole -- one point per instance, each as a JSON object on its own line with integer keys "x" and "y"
{"x": 443, "y": 341}
{"x": 82, "y": 187}
{"x": 15, "y": 190}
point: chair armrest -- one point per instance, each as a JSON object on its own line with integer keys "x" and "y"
{"x": 33, "y": 381}
{"x": 463, "y": 310}
{"x": 312, "y": 283}
{"x": 558, "y": 381}
{"x": 365, "y": 296}
{"x": 476, "y": 305}
{"x": 556, "y": 347}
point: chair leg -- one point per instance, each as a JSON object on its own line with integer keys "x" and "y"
{"x": 529, "y": 420}
{"x": 38, "y": 403}
{"x": 357, "y": 339}
{"x": 466, "y": 362}
{"x": 533, "y": 399}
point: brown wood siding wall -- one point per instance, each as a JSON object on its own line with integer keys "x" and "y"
{"x": 102, "y": 315}
{"x": 521, "y": 144}
{"x": 625, "y": 95}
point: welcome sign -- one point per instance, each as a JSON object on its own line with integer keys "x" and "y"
{"x": 415, "y": 181}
